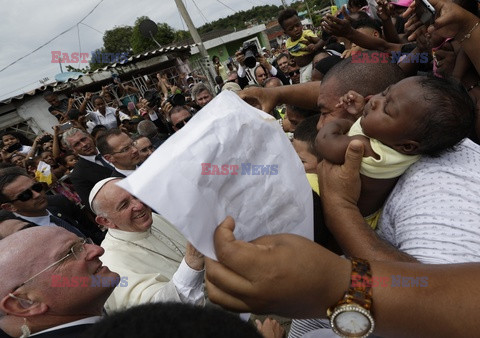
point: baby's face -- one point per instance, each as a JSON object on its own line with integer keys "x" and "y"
{"x": 393, "y": 115}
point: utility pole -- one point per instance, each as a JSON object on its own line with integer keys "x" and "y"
{"x": 308, "y": 10}
{"x": 195, "y": 36}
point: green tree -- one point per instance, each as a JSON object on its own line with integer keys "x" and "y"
{"x": 165, "y": 35}
{"x": 81, "y": 70}
{"x": 117, "y": 40}
{"x": 95, "y": 59}
{"x": 182, "y": 36}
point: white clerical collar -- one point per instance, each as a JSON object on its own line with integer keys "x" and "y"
{"x": 129, "y": 235}
{"x": 88, "y": 320}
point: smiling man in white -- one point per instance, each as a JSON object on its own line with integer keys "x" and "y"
{"x": 158, "y": 263}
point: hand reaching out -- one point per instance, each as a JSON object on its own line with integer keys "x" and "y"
{"x": 353, "y": 102}
{"x": 270, "y": 328}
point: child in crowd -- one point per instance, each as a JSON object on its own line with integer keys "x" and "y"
{"x": 68, "y": 161}
{"x": 304, "y": 144}
{"x": 301, "y": 44}
{"x": 417, "y": 116}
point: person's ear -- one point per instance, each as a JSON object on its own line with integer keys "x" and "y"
{"x": 407, "y": 148}
{"x": 108, "y": 157}
{"x": 105, "y": 222}
{"x": 8, "y": 206}
{"x": 22, "y": 307}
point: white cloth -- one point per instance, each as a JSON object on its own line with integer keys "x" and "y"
{"x": 109, "y": 120}
{"x": 433, "y": 214}
{"x": 24, "y": 150}
{"x": 229, "y": 159}
{"x": 88, "y": 320}
{"x": 153, "y": 266}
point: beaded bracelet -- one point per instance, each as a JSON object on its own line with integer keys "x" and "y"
{"x": 467, "y": 36}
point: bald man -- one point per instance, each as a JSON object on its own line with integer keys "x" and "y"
{"x": 31, "y": 299}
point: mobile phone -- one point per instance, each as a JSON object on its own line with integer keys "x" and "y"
{"x": 65, "y": 126}
{"x": 425, "y": 12}
{"x": 14, "y": 147}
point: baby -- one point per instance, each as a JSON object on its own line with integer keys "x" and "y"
{"x": 417, "y": 116}
{"x": 301, "y": 44}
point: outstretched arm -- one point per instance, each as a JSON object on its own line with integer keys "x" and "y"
{"x": 294, "y": 277}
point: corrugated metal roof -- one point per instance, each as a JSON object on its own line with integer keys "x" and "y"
{"x": 134, "y": 58}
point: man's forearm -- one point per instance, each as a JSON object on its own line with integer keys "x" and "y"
{"x": 355, "y": 236}
{"x": 301, "y": 95}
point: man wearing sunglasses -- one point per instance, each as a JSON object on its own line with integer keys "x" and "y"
{"x": 20, "y": 194}
{"x": 30, "y": 300}
{"x": 179, "y": 116}
{"x": 119, "y": 149}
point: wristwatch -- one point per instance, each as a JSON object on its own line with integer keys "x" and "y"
{"x": 351, "y": 316}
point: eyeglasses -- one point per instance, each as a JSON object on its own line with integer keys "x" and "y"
{"x": 124, "y": 149}
{"x": 27, "y": 194}
{"x": 75, "y": 251}
{"x": 180, "y": 124}
{"x": 295, "y": 72}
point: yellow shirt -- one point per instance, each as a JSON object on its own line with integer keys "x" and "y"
{"x": 296, "y": 48}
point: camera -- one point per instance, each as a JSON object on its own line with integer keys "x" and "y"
{"x": 250, "y": 50}
{"x": 153, "y": 98}
{"x": 176, "y": 100}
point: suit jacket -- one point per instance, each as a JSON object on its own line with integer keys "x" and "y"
{"x": 82, "y": 219}
{"x": 115, "y": 173}
{"x": 67, "y": 332}
{"x": 85, "y": 175}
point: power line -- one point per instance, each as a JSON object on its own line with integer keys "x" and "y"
{"x": 65, "y": 31}
{"x": 203, "y": 16}
{"x": 234, "y": 11}
{"x": 83, "y": 23}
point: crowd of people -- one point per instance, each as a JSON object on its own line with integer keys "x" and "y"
{"x": 382, "y": 110}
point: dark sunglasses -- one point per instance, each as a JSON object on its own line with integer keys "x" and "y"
{"x": 180, "y": 124}
{"x": 295, "y": 72}
{"x": 28, "y": 193}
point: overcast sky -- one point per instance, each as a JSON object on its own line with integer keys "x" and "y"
{"x": 28, "y": 24}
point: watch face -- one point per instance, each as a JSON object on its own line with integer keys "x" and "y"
{"x": 352, "y": 324}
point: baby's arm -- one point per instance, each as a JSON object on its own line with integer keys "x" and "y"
{"x": 353, "y": 102}
{"x": 332, "y": 141}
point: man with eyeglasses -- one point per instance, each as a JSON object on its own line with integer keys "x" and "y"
{"x": 144, "y": 147}
{"x": 30, "y": 301}
{"x": 118, "y": 149}
{"x": 160, "y": 265}
{"x": 179, "y": 116}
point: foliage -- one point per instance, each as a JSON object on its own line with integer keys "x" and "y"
{"x": 240, "y": 20}
{"x": 117, "y": 40}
